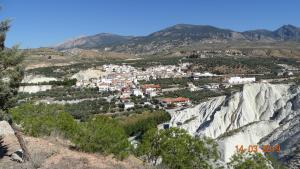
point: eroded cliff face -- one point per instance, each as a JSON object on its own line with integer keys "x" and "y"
{"x": 261, "y": 113}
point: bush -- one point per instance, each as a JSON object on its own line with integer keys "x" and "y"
{"x": 104, "y": 135}
{"x": 42, "y": 120}
{"x": 84, "y": 109}
{"x": 178, "y": 149}
{"x": 249, "y": 160}
{"x": 140, "y": 123}
{"x": 99, "y": 134}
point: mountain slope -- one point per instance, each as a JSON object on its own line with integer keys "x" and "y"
{"x": 175, "y": 36}
{"x": 261, "y": 113}
{"x": 288, "y": 33}
{"x": 195, "y": 32}
{"x": 180, "y": 35}
{"x": 94, "y": 41}
{"x": 259, "y": 35}
{"x": 284, "y": 33}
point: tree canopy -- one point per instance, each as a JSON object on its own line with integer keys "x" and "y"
{"x": 11, "y": 72}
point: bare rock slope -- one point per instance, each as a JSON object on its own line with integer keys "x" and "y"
{"x": 261, "y": 113}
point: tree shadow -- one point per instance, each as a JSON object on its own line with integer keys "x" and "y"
{"x": 3, "y": 148}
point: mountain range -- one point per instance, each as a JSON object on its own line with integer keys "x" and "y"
{"x": 179, "y": 35}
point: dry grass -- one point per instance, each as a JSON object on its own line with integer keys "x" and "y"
{"x": 53, "y": 153}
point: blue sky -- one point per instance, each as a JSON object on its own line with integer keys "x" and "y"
{"x": 37, "y": 23}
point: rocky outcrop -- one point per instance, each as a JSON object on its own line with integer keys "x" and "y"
{"x": 10, "y": 143}
{"x": 261, "y": 113}
{"x": 288, "y": 134}
{"x": 88, "y": 74}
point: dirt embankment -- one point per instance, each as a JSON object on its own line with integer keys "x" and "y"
{"x": 52, "y": 153}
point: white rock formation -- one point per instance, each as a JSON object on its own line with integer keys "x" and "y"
{"x": 34, "y": 88}
{"x": 37, "y": 79}
{"x": 248, "y": 135}
{"x": 5, "y": 129}
{"x": 88, "y": 74}
{"x": 250, "y": 115}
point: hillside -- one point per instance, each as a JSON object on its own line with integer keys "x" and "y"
{"x": 45, "y": 57}
{"x": 93, "y": 41}
{"x": 284, "y": 33}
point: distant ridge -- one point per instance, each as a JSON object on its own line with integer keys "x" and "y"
{"x": 93, "y": 41}
{"x": 180, "y": 35}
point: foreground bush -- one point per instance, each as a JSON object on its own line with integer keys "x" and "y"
{"x": 104, "y": 135}
{"x": 140, "y": 123}
{"x": 249, "y": 161}
{"x": 42, "y": 120}
{"x": 178, "y": 149}
{"x": 100, "y": 134}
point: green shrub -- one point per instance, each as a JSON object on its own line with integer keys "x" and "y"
{"x": 249, "y": 160}
{"x": 178, "y": 149}
{"x": 140, "y": 123}
{"x": 102, "y": 134}
{"x": 99, "y": 134}
{"x": 42, "y": 119}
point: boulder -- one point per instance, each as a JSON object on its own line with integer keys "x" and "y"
{"x": 10, "y": 142}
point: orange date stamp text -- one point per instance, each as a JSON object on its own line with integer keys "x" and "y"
{"x": 256, "y": 148}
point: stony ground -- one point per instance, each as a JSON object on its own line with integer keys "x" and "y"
{"x": 53, "y": 153}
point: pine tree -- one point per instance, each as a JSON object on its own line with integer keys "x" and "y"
{"x": 11, "y": 73}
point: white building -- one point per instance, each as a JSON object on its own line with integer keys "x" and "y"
{"x": 152, "y": 93}
{"x": 128, "y": 105}
{"x": 192, "y": 87}
{"x": 239, "y": 80}
{"x": 103, "y": 87}
{"x": 137, "y": 92}
{"x": 290, "y": 73}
